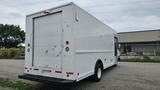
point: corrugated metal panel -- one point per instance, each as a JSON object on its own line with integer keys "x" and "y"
{"x": 139, "y": 36}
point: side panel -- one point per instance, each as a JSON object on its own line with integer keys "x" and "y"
{"x": 68, "y": 56}
{"x": 28, "y": 42}
{"x": 93, "y": 41}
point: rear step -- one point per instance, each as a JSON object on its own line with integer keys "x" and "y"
{"x": 46, "y": 79}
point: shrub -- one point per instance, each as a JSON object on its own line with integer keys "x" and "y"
{"x": 12, "y": 53}
{"x": 145, "y": 59}
{"x": 158, "y": 53}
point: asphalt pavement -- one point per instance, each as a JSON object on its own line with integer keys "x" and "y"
{"x": 126, "y": 76}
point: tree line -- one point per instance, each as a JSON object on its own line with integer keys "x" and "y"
{"x": 11, "y": 36}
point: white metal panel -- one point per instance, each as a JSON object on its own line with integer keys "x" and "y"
{"x": 68, "y": 57}
{"x": 48, "y": 40}
{"x": 89, "y": 40}
{"x": 93, "y": 40}
{"x": 28, "y": 41}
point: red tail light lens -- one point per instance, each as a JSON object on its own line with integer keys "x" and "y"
{"x": 67, "y": 42}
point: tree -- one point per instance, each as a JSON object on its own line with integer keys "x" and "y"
{"x": 11, "y": 36}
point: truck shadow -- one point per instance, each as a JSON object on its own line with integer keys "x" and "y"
{"x": 82, "y": 85}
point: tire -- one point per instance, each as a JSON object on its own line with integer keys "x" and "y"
{"x": 119, "y": 59}
{"x": 115, "y": 65}
{"x": 98, "y": 72}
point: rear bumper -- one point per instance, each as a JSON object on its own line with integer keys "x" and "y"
{"x": 46, "y": 79}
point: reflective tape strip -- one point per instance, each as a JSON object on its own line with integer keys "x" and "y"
{"x": 69, "y": 73}
{"x": 58, "y": 71}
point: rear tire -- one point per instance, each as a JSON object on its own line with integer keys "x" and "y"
{"x": 115, "y": 65}
{"x": 98, "y": 72}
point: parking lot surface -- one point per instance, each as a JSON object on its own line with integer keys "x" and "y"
{"x": 126, "y": 76}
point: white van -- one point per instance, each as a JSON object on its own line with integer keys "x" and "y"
{"x": 66, "y": 44}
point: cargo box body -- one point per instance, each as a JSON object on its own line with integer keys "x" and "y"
{"x": 65, "y": 43}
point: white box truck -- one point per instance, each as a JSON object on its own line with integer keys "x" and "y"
{"x": 66, "y": 44}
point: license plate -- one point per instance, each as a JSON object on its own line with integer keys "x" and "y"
{"x": 46, "y": 71}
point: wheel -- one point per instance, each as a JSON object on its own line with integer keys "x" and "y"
{"x": 98, "y": 72}
{"x": 119, "y": 59}
{"x": 115, "y": 65}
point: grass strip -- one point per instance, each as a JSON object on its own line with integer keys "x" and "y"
{"x": 17, "y": 85}
{"x": 139, "y": 60}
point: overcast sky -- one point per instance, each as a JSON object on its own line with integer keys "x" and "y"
{"x": 121, "y": 15}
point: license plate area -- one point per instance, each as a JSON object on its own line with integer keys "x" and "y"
{"x": 46, "y": 71}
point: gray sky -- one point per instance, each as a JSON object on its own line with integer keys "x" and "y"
{"x": 121, "y": 15}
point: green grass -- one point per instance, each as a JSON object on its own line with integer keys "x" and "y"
{"x": 145, "y": 59}
{"x": 17, "y": 85}
{"x": 141, "y": 60}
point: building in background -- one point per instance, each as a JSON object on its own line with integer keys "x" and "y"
{"x": 140, "y": 42}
